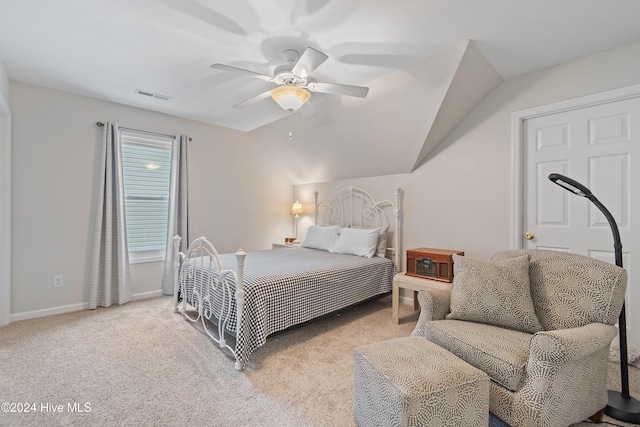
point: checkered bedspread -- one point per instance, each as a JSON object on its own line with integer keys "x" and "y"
{"x": 286, "y": 287}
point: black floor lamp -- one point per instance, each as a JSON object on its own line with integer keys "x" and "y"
{"x": 621, "y": 405}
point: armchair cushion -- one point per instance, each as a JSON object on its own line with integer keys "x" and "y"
{"x": 494, "y": 292}
{"x": 501, "y": 353}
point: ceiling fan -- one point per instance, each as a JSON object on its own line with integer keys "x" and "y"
{"x": 293, "y": 80}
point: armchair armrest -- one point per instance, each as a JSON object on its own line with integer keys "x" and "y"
{"x": 434, "y": 305}
{"x": 571, "y": 363}
{"x": 567, "y": 345}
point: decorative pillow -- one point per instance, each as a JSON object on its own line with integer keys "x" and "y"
{"x": 381, "y": 247}
{"x": 319, "y": 237}
{"x": 357, "y": 241}
{"x": 493, "y": 292}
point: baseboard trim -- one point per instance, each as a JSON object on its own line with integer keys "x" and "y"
{"x": 25, "y": 315}
{"x": 406, "y": 299}
{"x": 145, "y": 295}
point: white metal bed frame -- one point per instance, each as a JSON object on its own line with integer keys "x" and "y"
{"x": 351, "y": 206}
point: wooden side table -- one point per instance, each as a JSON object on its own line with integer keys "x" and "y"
{"x": 416, "y": 284}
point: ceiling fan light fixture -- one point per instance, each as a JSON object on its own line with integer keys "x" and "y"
{"x": 290, "y": 98}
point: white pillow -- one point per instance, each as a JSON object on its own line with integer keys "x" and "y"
{"x": 319, "y": 237}
{"x": 381, "y": 247}
{"x": 357, "y": 241}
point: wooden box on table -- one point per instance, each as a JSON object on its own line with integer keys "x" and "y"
{"x": 429, "y": 263}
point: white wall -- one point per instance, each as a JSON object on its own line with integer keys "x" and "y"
{"x": 238, "y": 198}
{"x": 4, "y": 84}
{"x": 460, "y": 198}
{"x": 5, "y": 198}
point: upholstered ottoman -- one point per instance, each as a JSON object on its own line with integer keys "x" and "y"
{"x": 412, "y": 382}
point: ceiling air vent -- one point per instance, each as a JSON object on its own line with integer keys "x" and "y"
{"x": 153, "y": 95}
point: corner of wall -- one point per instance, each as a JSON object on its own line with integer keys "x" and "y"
{"x": 472, "y": 80}
{"x": 5, "y": 199}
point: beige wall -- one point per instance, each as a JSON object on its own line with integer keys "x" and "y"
{"x": 4, "y": 85}
{"x": 237, "y": 196}
{"x": 5, "y": 198}
{"x": 460, "y": 198}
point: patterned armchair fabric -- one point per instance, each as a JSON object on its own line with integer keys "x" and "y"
{"x": 571, "y": 290}
{"x": 552, "y": 377}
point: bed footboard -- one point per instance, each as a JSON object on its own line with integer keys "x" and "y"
{"x": 207, "y": 292}
{"x": 240, "y": 255}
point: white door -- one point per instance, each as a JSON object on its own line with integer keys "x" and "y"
{"x": 595, "y": 146}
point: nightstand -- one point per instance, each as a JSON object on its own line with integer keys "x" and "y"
{"x": 416, "y": 284}
{"x": 284, "y": 245}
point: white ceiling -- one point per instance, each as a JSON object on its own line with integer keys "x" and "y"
{"x": 107, "y": 49}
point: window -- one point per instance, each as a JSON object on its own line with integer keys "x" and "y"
{"x": 146, "y": 166}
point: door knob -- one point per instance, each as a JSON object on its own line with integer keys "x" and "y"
{"x": 529, "y": 235}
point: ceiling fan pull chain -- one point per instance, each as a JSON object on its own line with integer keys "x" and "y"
{"x": 290, "y": 127}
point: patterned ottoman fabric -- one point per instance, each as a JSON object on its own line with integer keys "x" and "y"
{"x": 413, "y": 382}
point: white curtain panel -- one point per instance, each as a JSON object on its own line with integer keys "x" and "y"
{"x": 178, "y": 219}
{"x": 110, "y": 278}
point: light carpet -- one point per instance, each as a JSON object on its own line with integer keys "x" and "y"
{"x": 141, "y": 364}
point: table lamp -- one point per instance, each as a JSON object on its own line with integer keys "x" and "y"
{"x": 296, "y": 211}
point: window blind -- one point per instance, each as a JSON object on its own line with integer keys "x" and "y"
{"x": 147, "y": 173}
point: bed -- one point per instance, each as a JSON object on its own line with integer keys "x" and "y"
{"x": 242, "y": 298}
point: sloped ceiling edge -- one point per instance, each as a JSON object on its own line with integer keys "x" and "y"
{"x": 473, "y": 80}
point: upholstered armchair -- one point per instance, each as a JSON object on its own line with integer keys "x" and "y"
{"x": 539, "y": 323}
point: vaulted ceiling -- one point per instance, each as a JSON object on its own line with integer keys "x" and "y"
{"x": 408, "y": 113}
{"x": 108, "y": 49}
{"x": 440, "y": 57}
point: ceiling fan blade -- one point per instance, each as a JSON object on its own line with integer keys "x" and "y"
{"x": 358, "y": 91}
{"x": 253, "y": 100}
{"x": 308, "y": 110}
{"x": 241, "y": 71}
{"x": 308, "y": 61}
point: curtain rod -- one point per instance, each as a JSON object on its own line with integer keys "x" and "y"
{"x": 100, "y": 124}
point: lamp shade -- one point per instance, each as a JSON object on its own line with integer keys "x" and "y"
{"x": 290, "y": 98}
{"x": 296, "y": 208}
{"x": 570, "y": 185}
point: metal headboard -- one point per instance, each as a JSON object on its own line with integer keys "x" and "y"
{"x": 354, "y": 207}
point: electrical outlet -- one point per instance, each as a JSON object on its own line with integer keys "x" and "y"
{"x": 57, "y": 282}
